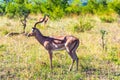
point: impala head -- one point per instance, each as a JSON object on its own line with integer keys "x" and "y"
{"x": 34, "y": 29}
{"x": 33, "y": 32}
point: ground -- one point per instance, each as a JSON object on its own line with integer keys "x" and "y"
{"x": 23, "y": 58}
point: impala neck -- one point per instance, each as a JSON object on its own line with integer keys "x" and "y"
{"x": 40, "y": 37}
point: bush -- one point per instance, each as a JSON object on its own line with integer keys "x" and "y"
{"x": 5, "y": 32}
{"x": 2, "y": 8}
{"x": 2, "y": 47}
{"x": 59, "y": 8}
{"x": 83, "y": 26}
{"x": 115, "y": 5}
{"x": 113, "y": 55}
{"x": 54, "y": 8}
{"x": 74, "y": 7}
{"x": 11, "y": 9}
{"x": 108, "y": 19}
{"x": 57, "y": 12}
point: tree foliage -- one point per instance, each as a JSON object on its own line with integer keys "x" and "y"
{"x": 58, "y": 8}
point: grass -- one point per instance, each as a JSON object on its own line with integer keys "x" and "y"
{"x": 23, "y": 58}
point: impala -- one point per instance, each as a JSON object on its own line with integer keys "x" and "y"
{"x": 68, "y": 43}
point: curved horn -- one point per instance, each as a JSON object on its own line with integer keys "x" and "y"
{"x": 40, "y": 21}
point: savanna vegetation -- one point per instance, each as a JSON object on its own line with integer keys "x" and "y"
{"x": 96, "y": 23}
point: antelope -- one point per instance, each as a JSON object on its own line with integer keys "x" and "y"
{"x": 68, "y": 43}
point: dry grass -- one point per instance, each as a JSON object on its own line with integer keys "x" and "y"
{"x": 23, "y": 58}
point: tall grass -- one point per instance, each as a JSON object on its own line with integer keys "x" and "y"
{"x": 23, "y": 58}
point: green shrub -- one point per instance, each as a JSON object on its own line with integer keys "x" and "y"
{"x": 10, "y": 15}
{"x": 2, "y": 47}
{"x": 5, "y": 32}
{"x": 83, "y": 26}
{"x": 2, "y": 8}
{"x": 57, "y": 12}
{"x": 1, "y": 11}
{"x": 108, "y": 19}
{"x": 78, "y": 76}
{"x": 85, "y": 61}
{"x": 115, "y": 5}
{"x": 113, "y": 55}
{"x": 59, "y": 8}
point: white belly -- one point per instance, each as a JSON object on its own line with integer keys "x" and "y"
{"x": 58, "y": 47}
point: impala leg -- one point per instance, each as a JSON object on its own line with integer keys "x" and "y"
{"x": 77, "y": 63}
{"x": 50, "y": 54}
{"x": 71, "y": 66}
{"x": 71, "y": 55}
{"x": 76, "y": 59}
{"x": 74, "y": 55}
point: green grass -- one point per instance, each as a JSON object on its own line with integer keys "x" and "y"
{"x": 23, "y": 58}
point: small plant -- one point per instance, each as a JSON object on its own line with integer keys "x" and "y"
{"x": 113, "y": 55}
{"x": 83, "y": 26}
{"x": 103, "y": 33}
{"x": 108, "y": 19}
{"x": 2, "y": 47}
{"x": 78, "y": 76}
{"x": 5, "y": 32}
{"x": 8, "y": 24}
{"x": 76, "y": 28}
